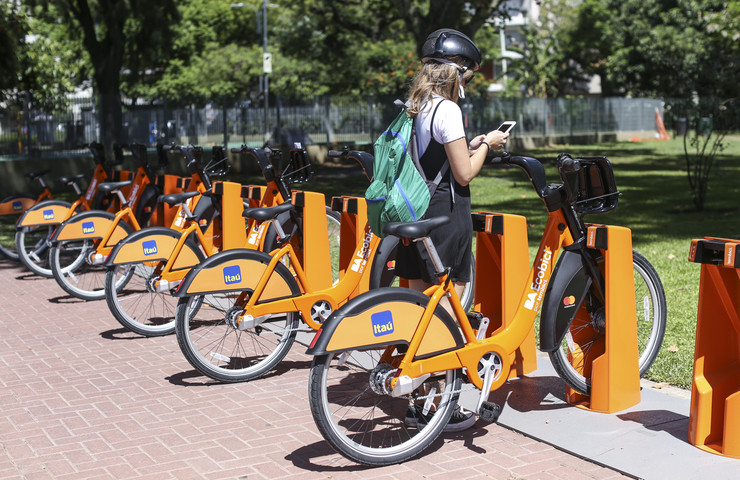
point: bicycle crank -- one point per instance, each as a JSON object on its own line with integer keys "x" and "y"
{"x": 320, "y": 311}
{"x": 490, "y": 368}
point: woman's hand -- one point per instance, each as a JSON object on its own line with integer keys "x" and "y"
{"x": 475, "y": 144}
{"x": 496, "y": 139}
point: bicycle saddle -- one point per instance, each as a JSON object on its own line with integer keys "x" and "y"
{"x": 110, "y": 186}
{"x": 415, "y": 230}
{"x": 175, "y": 198}
{"x": 35, "y": 175}
{"x": 74, "y": 178}
{"x": 267, "y": 213}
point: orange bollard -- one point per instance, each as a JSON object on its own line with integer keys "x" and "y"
{"x": 614, "y": 368}
{"x": 714, "y": 421}
{"x": 353, "y": 220}
{"x": 501, "y": 272}
{"x": 315, "y": 243}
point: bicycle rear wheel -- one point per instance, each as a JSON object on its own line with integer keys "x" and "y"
{"x": 585, "y": 336}
{"x": 366, "y": 425}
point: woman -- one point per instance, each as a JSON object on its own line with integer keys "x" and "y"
{"x": 449, "y": 61}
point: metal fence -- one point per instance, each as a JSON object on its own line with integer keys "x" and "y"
{"x": 26, "y": 131}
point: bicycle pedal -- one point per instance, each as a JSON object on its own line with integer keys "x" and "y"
{"x": 489, "y": 412}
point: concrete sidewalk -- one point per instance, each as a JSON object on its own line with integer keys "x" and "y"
{"x": 82, "y": 398}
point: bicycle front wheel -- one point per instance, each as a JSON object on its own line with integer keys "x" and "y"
{"x": 217, "y": 346}
{"x": 367, "y": 425}
{"x": 137, "y": 305}
{"x": 585, "y": 337}
{"x": 70, "y": 264}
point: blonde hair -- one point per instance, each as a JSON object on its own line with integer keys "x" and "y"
{"x": 436, "y": 79}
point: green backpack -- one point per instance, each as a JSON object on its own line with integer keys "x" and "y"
{"x": 399, "y": 191}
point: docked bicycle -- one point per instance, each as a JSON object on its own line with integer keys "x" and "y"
{"x": 388, "y": 365}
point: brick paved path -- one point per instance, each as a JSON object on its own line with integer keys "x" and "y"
{"x": 82, "y": 398}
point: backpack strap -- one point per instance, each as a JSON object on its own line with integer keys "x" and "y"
{"x": 414, "y": 148}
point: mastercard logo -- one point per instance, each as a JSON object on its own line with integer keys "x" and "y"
{"x": 568, "y": 301}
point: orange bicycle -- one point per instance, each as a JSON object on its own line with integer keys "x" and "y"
{"x": 389, "y": 364}
{"x": 12, "y": 207}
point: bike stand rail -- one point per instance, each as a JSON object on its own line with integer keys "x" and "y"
{"x": 614, "y": 368}
{"x": 714, "y": 419}
{"x": 501, "y": 268}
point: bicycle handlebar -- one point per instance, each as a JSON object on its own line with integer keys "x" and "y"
{"x": 365, "y": 159}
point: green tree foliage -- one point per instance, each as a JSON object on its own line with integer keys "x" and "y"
{"x": 35, "y": 58}
{"x": 651, "y": 47}
{"x": 13, "y": 28}
{"x": 119, "y": 37}
{"x": 544, "y": 70}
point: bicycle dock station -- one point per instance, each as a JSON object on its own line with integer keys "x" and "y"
{"x": 314, "y": 243}
{"x": 614, "y": 371}
{"x": 714, "y": 422}
{"x": 502, "y": 264}
{"x": 352, "y": 229}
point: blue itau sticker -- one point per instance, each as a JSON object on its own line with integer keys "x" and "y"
{"x": 382, "y": 323}
{"x": 88, "y": 228}
{"x": 150, "y": 247}
{"x": 232, "y": 274}
{"x": 49, "y": 214}
{"x": 17, "y": 205}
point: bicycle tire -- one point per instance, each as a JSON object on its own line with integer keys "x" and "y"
{"x": 69, "y": 261}
{"x": 31, "y": 243}
{"x": 368, "y": 427}
{"x": 214, "y": 346}
{"x": 651, "y": 323}
{"x": 334, "y": 223}
{"x": 136, "y": 306}
{"x": 7, "y": 229}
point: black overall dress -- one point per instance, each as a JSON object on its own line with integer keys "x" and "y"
{"x": 452, "y": 241}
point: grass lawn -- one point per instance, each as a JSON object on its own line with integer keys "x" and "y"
{"x": 656, "y": 204}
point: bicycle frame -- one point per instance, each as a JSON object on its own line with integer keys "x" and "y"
{"x": 451, "y": 351}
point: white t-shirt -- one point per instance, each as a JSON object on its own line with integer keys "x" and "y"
{"x": 448, "y": 123}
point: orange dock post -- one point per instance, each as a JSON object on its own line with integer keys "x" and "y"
{"x": 614, "y": 368}
{"x": 501, "y": 269}
{"x": 315, "y": 242}
{"x": 714, "y": 421}
{"x": 233, "y": 224}
{"x": 352, "y": 230}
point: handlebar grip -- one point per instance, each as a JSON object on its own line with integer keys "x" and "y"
{"x": 504, "y": 158}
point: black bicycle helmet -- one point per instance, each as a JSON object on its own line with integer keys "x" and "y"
{"x": 447, "y": 42}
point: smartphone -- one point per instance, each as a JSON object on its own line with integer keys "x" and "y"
{"x": 507, "y": 126}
